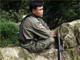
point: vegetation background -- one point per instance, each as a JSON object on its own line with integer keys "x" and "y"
{"x": 55, "y": 13}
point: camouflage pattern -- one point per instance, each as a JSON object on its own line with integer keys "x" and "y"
{"x": 70, "y": 34}
{"x": 70, "y": 37}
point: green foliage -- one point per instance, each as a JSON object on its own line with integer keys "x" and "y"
{"x": 4, "y": 15}
{"x": 10, "y": 5}
{"x": 7, "y": 16}
{"x": 21, "y": 7}
{"x": 25, "y": 7}
{"x": 8, "y": 33}
{"x": 58, "y": 12}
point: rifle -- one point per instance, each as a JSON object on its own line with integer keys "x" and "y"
{"x": 60, "y": 48}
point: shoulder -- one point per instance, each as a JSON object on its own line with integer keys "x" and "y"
{"x": 30, "y": 21}
{"x": 42, "y": 21}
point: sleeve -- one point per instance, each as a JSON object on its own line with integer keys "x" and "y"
{"x": 38, "y": 29}
{"x": 44, "y": 24}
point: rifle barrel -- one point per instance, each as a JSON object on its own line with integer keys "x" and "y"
{"x": 60, "y": 55}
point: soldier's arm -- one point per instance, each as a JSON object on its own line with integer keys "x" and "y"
{"x": 41, "y": 31}
{"x": 38, "y": 29}
{"x": 44, "y": 24}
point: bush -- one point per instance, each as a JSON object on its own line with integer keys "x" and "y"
{"x": 8, "y": 33}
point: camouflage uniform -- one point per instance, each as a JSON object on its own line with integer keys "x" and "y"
{"x": 34, "y": 34}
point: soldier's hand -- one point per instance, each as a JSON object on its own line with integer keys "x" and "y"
{"x": 51, "y": 31}
{"x": 54, "y": 35}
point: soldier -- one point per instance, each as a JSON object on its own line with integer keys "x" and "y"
{"x": 34, "y": 34}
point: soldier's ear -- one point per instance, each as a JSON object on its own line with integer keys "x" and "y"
{"x": 33, "y": 11}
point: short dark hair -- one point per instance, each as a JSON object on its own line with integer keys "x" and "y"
{"x": 35, "y": 4}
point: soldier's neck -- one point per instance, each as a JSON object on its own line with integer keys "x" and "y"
{"x": 33, "y": 15}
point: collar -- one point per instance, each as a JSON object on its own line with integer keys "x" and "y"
{"x": 33, "y": 15}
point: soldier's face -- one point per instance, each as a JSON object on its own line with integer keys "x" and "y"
{"x": 38, "y": 11}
